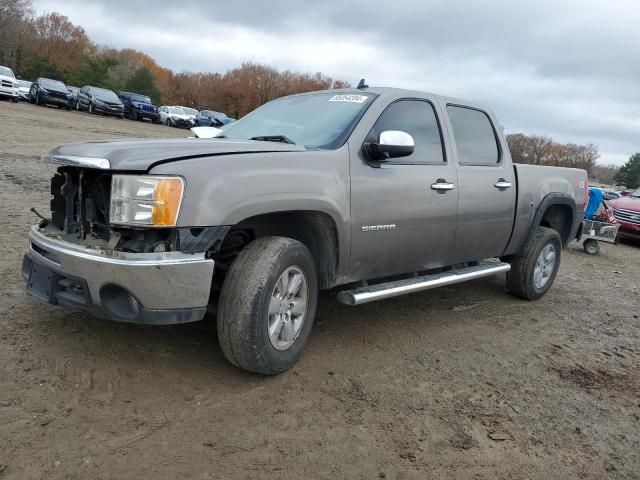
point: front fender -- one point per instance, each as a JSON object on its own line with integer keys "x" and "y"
{"x": 226, "y": 189}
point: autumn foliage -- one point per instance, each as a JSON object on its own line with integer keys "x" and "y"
{"x": 541, "y": 150}
{"x": 52, "y": 46}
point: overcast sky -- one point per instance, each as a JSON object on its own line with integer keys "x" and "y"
{"x": 569, "y": 69}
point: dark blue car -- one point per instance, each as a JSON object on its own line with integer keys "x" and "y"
{"x": 138, "y": 107}
{"x": 209, "y": 118}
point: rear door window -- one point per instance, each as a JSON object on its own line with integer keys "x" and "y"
{"x": 474, "y": 136}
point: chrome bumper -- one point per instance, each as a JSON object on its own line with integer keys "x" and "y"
{"x": 169, "y": 287}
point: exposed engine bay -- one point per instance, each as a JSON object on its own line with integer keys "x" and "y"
{"x": 80, "y": 206}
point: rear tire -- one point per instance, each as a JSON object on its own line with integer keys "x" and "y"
{"x": 533, "y": 273}
{"x": 591, "y": 246}
{"x": 267, "y": 305}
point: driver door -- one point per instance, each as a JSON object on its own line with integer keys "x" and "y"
{"x": 403, "y": 210}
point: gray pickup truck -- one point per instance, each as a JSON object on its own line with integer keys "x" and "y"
{"x": 371, "y": 192}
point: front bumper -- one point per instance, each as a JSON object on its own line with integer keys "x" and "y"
{"x": 107, "y": 110}
{"x": 51, "y": 100}
{"x": 148, "y": 288}
{"x": 147, "y": 114}
{"x": 9, "y": 91}
{"x": 628, "y": 229}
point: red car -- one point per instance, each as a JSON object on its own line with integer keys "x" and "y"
{"x": 626, "y": 211}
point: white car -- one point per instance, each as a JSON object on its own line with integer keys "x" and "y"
{"x": 192, "y": 112}
{"x": 24, "y": 87}
{"x": 8, "y": 84}
{"x": 175, "y": 117}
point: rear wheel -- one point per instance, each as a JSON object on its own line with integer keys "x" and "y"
{"x": 533, "y": 273}
{"x": 267, "y": 305}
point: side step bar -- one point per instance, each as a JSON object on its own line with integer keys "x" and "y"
{"x": 381, "y": 291}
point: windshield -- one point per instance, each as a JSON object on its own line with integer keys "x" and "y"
{"x": 7, "y": 72}
{"x": 73, "y": 89}
{"x": 139, "y": 98}
{"x": 53, "y": 84}
{"x": 105, "y": 95}
{"x": 24, "y": 83}
{"x": 319, "y": 120}
{"x": 190, "y": 111}
{"x": 176, "y": 110}
{"x": 635, "y": 193}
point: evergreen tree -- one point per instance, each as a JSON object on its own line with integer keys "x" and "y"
{"x": 142, "y": 82}
{"x": 629, "y": 173}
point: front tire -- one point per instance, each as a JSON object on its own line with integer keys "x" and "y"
{"x": 90, "y": 109}
{"x": 533, "y": 273}
{"x": 267, "y": 305}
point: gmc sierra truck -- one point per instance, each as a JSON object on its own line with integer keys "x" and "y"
{"x": 370, "y": 192}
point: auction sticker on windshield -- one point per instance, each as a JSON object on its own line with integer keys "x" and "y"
{"x": 349, "y": 98}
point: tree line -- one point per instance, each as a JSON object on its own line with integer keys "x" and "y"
{"x": 50, "y": 45}
{"x": 542, "y": 150}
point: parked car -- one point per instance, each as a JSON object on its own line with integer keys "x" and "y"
{"x": 24, "y": 87}
{"x": 626, "y": 211}
{"x": 73, "y": 98}
{"x": 191, "y": 112}
{"x": 209, "y": 118}
{"x": 46, "y": 91}
{"x": 9, "y": 87}
{"x": 138, "y": 107}
{"x": 378, "y": 192}
{"x": 175, "y": 117}
{"x": 99, "y": 100}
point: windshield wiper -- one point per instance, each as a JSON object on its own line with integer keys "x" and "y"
{"x": 274, "y": 138}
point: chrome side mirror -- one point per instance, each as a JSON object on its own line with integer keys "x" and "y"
{"x": 391, "y": 144}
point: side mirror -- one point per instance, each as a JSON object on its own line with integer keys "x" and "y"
{"x": 391, "y": 144}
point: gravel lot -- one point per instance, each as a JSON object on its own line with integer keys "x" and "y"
{"x": 464, "y": 382}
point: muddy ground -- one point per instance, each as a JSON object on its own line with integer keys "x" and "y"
{"x": 461, "y": 382}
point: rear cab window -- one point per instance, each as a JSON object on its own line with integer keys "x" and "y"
{"x": 474, "y": 136}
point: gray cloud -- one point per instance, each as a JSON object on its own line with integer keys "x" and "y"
{"x": 568, "y": 69}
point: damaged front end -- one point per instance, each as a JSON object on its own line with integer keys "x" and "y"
{"x": 142, "y": 274}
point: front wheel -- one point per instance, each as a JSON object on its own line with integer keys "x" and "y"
{"x": 267, "y": 305}
{"x": 90, "y": 107}
{"x": 533, "y": 273}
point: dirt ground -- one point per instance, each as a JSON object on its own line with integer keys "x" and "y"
{"x": 461, "y": 382}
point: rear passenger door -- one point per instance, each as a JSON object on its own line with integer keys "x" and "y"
{"x": 486, "y": 185}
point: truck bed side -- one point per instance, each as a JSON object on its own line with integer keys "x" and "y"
{"x": 540, "y": 187}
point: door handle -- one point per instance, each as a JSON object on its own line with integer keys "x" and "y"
{"x": 442, "y": 186}
{"x": 502, "y": 184}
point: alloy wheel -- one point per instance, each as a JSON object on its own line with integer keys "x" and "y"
{"x": 287, "y": 308}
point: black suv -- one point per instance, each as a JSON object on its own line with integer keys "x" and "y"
{"x": 139, "y": 107}
{"x": 45, "y": 91}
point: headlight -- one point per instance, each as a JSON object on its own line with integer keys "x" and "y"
{"x": 147, "y": 200}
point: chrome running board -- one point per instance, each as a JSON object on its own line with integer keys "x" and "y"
{"x": 381, "y": 291}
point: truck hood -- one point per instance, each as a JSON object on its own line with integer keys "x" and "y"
{"x": 627, "y": 203}
{"x": 142, "y": 155}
